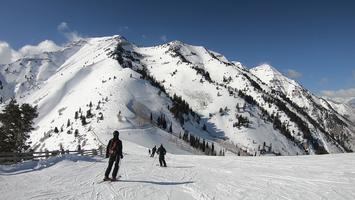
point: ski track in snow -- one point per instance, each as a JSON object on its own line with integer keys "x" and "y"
{"x": 189, "y": 177}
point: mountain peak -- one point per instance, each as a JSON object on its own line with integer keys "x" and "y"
{"x": 268, "y": 73}
{"x": 267, "y": 69}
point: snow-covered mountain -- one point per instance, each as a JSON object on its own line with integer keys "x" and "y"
{"x": 345, "y": 107}
{"x": 330, "y": 116}
{"x": 118, "y": 85}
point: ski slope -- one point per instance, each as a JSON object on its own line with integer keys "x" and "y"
{"x": 186, "y": 177}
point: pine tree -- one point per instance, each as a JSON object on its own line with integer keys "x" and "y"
{"x": 203, "y": 145}
{"x": 89, "y": 114}
{"x": 76, "y": 115}
{"x": 204, "y": 127}
{"x": 68, "y": 123}
{"x": 16, "y": 123}
{"x": 28, "y": 114}
{"x": 56, "y": 130}
{"x": 83, "y": 120}
{"x": 212, "y": 149}
{"x": 76, "y": 133}
{"x": 220, "y": 110}
{"x": 171, "y": 128}
{"x": 101, "y": 116}
{"x": 164, "y": 122}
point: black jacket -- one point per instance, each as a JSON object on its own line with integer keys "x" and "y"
{"x": 117, "y": 151}
{"x": 161, "y": 151}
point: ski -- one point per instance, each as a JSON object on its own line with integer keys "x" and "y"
{"x": 109, "y": 180}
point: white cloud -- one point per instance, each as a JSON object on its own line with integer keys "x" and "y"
{"x": 7, "y": 54}
{"x": 44, "y": 46}
{"x": 293, "y": 73}
{"x": 164, "y": 38}
{"x": 63, "y": 27}
{"x": 71, "y": 35}
{"x": 342, "y": 94}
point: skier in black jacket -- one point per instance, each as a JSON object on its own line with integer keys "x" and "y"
{"x": 161, "y": 151}
{"x": 153, "y": 151}
{"x": 114, "y": 152}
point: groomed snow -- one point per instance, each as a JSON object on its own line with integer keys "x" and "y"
{"x": 187, "y": 177}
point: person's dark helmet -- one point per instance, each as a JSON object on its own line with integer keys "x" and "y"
{"x": 116, "y": 134}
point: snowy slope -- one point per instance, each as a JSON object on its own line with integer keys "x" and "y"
{"x": 186, "y": 177}
{"x": 123, "y": 85}
{"x": 27, "y": 73}
{"x": 206, "y": 97}
{"x": 124, "y": 101}
{"x": 343, "y": 107}
{"x": 330, "y": 116}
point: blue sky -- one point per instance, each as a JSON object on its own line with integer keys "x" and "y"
{"x": 312, "y": 41}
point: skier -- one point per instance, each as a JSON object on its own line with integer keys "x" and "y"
{"x": 114, "y": 153}
{"x": 149, "y": 153}
{"x": 153, "y": 151}
{"x": 161, "y": 151}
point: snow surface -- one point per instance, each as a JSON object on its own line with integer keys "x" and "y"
{"x": 186, "y": 177}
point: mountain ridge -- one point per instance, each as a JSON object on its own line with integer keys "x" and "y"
{"x": 241, "y": 110}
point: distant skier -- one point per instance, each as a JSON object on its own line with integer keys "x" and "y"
{"x": 114, "y": 152}
{"x": 153, "y": 151}
{"x": 149, "y": 152}
{"x": 161, "y": 151}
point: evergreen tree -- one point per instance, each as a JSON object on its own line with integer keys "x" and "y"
{"x": 212, "y": 149}
{"x": 56, "y": 130}
{"x": 171, "y": 128}
{"x": 28, "y": 114}
{"x": 204, "y": 127}
{"x": 207, "y": 149}
{"x": 89, "y": 114}
{"x": 16, "y": 123}
{"x": 164, "y": 122}
{"x": 68, "y": 123}
{"x": 76, "y": 115}
{"x": 76, "y": 133}
{"x": 83, "y": 120}
{"x": 203, "y": 145}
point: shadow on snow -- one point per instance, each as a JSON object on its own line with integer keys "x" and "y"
{"x": 30, "y": 166}
{"x": 157, "y": 182}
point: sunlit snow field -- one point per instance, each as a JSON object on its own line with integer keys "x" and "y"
{"x": 186, "y": 177}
